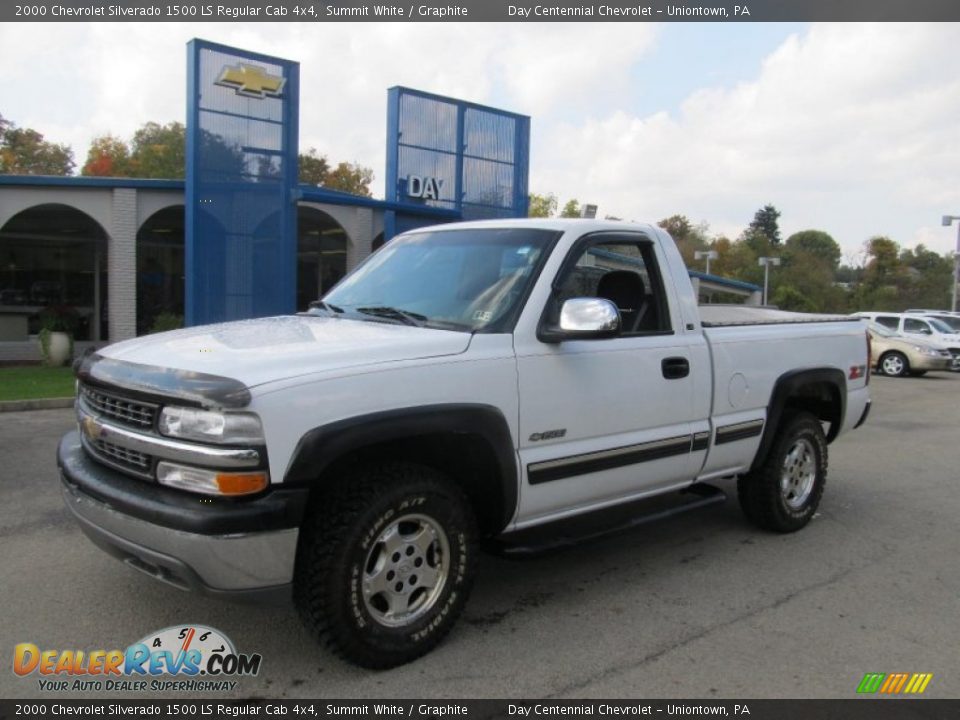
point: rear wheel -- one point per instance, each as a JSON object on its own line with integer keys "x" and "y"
{"x": 895, "y": 364}
{"x": 385, "y": 563}
{"x": 784, "y": 492}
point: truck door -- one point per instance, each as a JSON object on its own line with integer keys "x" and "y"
{"x": 602, "y": 420}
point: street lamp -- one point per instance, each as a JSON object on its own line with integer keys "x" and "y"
{"x": 766, "y": 262}
{"x": 947, "y": 222}
{"x": 708, "y": 254}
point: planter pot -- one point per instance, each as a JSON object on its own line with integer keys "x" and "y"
{"x": 59, "y": 349}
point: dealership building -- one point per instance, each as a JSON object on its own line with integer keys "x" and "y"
{"x": 239, "y": 236}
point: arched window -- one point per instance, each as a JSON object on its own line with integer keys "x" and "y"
{"x": 160, "y": 271}
{"x": 53, "y": 256}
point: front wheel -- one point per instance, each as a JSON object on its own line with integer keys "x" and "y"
{"x": 784, "y": 492}
{"x": 385, "y": 563}
{"x": 895, "y": 364}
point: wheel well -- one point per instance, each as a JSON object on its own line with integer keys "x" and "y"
{"x": 820, "y": 391}
{"x": 467, "y": 460}
{"x": 822, "y": 399}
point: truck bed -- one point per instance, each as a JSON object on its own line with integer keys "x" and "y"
{"x": 712, "y": 316}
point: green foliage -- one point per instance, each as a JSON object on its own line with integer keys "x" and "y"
{"x": 23, "y": 151}
{"x": 353, "y": 178}
{"x": 350, "y": 178}
{"x": 159, "y": 151}
{"x": 313, "y": 167}
{"x": 764, "y": 224}
{"x": 59, "y": 318}
{"x": 542, "y": 206}
{"x": 166, "y": 321}
{"x": 571, "y": 209}
{"x": 689, "y": 238}
{"x": 816, "y": 243}
{"x": 787, "y": 297}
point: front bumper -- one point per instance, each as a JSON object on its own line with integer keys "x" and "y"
{"x": 240, "y": 549}
{"x": 926, "y": 362}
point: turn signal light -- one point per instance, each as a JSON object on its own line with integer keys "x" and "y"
{"x": 241, "y": 483}
{"x": 211, "y": 482}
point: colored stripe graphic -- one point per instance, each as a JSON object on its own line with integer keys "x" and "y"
{"x": 918, "y": 683}
{"x": 871, "y": 682}
{"x": 895, "y": 683}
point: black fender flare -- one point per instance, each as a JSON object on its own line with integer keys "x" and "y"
{"x": 320, "y": 447}
{"x": 789, "y": 384}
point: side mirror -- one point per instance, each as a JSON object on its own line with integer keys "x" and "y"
{"x": 584, "y": 319}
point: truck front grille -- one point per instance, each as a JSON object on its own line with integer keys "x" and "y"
{"x": 132, "y": 413}
{"x": 130, "y": 461}
{"x": 125, "y": 456}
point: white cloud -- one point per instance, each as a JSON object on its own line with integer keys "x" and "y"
{"x": 850, "y": 128}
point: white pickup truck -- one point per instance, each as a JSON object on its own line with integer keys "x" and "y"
{"x": 467, "y": 381}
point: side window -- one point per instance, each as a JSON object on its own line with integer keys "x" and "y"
{"x": 911, "y": 325}
{"x": 626, "y": 274}
{"x": 887, "y": 321}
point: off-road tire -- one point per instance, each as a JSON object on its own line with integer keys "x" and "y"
{"x": 338, "y": 537}
{"x": 772, "y": 496}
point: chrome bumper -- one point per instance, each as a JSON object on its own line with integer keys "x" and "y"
{"x": 255, "y": 563}
{"x": 245, "y": 551}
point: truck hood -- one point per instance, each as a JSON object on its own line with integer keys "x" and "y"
{"x": 275, "y": 348}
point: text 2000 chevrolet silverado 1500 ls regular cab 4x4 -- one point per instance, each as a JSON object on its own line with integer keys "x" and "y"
{"x": 468, "y": 380}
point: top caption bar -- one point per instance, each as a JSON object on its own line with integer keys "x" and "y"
{"x": 305, "y": 11}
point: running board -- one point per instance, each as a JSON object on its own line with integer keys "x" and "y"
{"x": 583, "y": 528}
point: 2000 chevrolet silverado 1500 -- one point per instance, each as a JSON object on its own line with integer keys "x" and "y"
{"x": 469, "y": 380}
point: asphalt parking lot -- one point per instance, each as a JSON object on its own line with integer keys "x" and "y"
{"x": 699, "y": 606}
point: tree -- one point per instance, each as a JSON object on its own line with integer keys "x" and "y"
{"x": 764, "y": 224}
{"x": 542, "y": 206}
{"x": 689, "y": 239}
{"x": 816, "y": 243}
{"x": 350, "y": 178}
{"x": 571, "y": 209}
{"x": 23, "y": 151}
{"x": 108, "y": 156}
{"x": 313, "y": 167}
{"x": 929, "y": 278}
{"x": 159, "y": 151}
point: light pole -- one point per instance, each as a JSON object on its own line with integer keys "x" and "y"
{"x": 766, "y": 262}
{"x": 947, "y": 222}
{"x": 708, "y": 254}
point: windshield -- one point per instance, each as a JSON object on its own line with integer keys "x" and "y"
{"x": 953, "y": 322}
{"x": 940, "y": 325}
{"x": 470, "y": 280}
{"x": 881, "y": 330}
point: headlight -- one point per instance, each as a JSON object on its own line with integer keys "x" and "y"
{"x": 927, "y": 351}
{"x": 210, "y": 426}
{"x": 210, "y": 482}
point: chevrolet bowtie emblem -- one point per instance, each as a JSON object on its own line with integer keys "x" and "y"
{"x": 251, "y": 81}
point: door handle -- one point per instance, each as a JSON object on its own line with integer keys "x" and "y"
{"x": 675, "y": 367}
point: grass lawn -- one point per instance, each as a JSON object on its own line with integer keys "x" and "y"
{"x": 35, "y": 382}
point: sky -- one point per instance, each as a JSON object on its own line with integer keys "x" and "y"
{"x": 851, "y": 128}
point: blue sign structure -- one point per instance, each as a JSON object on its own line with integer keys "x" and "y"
{"x": 241, "y": 215}
{"x": 448, "y": 153}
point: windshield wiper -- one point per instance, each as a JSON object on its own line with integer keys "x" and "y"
{"x": 392, "y": 313}
{"x": 321, "y": 305}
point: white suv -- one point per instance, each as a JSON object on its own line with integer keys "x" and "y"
{"x": 932, "y": 329}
